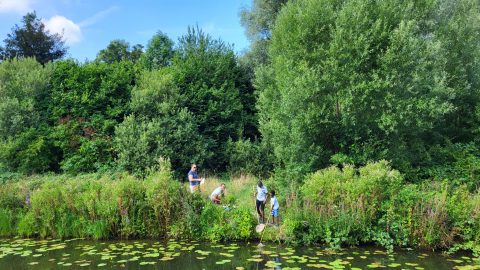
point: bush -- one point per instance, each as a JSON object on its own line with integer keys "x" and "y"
{"x": 249, "y": 157}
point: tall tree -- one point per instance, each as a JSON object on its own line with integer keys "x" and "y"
{"x": 365, "y": 80}
{"x": 159, "y": 52}
{"x": 258, "y": 22}
{"x": 25, "y": 146}
{"x": 32, "y": 40}
{"x": 207, "y": 73}
{"x": 119, "y": 50}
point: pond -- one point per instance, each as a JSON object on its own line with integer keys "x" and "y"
{"x": 82, "y": 254}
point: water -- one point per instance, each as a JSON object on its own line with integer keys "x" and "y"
{"x": 81, "y": 254}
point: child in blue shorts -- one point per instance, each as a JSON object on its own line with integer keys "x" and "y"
{"x": 274, "y": 206}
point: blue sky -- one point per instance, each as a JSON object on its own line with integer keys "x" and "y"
{"x": 89, "y": 26}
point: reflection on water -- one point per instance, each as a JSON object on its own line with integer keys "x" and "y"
{"x": 81, "y": 254}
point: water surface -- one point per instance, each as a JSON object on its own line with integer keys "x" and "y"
{"x": 16, "y": 254}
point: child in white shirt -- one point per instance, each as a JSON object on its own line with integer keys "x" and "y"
{"x": 274, "y": 207}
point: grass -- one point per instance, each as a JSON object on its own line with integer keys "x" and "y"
{"x": 241, "y": 187}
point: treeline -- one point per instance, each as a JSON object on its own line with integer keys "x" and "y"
{"x": 325, "y": 82}
{"x": 191, "y": 103}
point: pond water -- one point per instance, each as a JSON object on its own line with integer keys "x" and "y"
{"x": 19, "y": 254}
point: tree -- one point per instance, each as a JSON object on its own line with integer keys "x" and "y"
{"x": 87, "y": 102}
{"x": 24, "y": 85}
{"x": 25, "y": 145}
{"x": 211, "y": 81}
{"x": 159, "y": 52}
{"x": 258, "y": 22}
{"x": 364, "y": 80}
{"x": 32, "y": 40}
{"x": 160, "y": 126}
{"x": 119, "y": 50}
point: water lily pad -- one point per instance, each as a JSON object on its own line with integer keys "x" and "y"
{"x": 33, "y": 263}
{"x": 321, "y": 265}
{"x": 101, "y": 264}
{"x": 152, "y": 255}
{"x": 226, "y": 254}
{"x": 376, "y": 265}
{"x": 147, "y": 263}
{"x": 223, "y": 261}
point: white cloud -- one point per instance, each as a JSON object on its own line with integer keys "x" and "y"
{"x": 70, "y": 31}
{"x": 17, "y": 6}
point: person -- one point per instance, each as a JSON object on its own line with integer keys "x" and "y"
{"x": 217, "y": 194}
{"x": 194, "y": 179}
{"x": 261, "y": 197}
{"x": 274, "y": 207}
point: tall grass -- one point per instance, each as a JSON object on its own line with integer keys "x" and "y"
{"x": 347, "y": 206}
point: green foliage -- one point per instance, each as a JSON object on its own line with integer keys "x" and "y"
{"x": 159, "y": 127}
{"x": 24, "y": 84}
{"x": 30, "y": 152}
{"x": 249, "y": 157}
{"x": 105, "y": 206}
{"x": 212, "y": 87}
{"x": 459, "y": 163}
{"x": 373, "y": 204}
{"x": 259, "y": 21}
{"x": 33, "y": 40}
{"x": 88, "y": 101}
{"x": 159, "y": 52}
{"x": 24, "y": 140}
{"x": 6, "y": 222}
{"x": 374, "y": 80}
{"x": 119, "y": 50}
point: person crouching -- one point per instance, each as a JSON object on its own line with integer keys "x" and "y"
{"x": 217, "y": 194}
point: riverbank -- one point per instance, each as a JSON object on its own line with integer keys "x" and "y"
{"x": 348, "y": 207}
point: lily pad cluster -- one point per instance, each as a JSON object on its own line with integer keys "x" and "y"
{"x": 79, "y": 253}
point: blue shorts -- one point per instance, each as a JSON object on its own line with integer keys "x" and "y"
{"x": 275, "y": 212}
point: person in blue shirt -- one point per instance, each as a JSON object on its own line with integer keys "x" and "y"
{"x": 194, "y": 179}
{"x": 261, "y": 193}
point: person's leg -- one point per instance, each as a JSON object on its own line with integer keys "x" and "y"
{"x": 262, "y": 206}
{"x": 257, "y": 207}
{"x": 278, "y": 217}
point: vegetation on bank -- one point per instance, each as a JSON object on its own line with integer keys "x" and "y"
{"x": 326, "y": 83}
{"x": 337, "y": 207}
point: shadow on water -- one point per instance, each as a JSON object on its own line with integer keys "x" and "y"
{"x": 19, "y": 254}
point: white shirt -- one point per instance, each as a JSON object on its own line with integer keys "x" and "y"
{"x": 274, "y": 203}
{"x": 217, "y": 192}
{"x": 262, "y": 193}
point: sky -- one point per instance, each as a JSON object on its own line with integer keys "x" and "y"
{"x": 88, "y": 26}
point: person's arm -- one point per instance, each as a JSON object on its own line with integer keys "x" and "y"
{"x": 191, "y": 179}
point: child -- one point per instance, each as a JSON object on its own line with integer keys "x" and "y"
{"x": 274, "y": 207}
{"x": 261, "y": 198}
